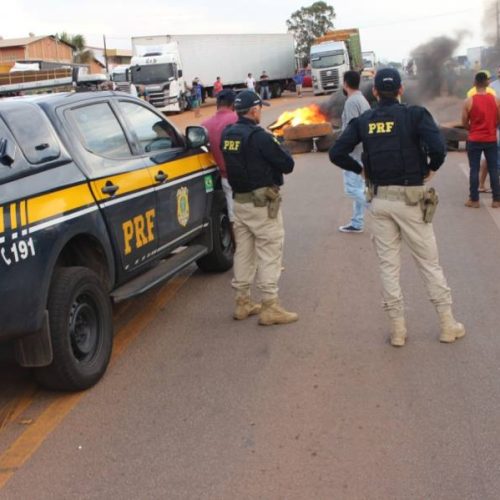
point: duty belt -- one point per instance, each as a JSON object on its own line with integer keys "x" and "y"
{"x": 395, "y": 193}
{"x": 243, "y": 197}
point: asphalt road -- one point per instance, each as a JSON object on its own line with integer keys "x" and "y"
{"x": 198, "y": 406}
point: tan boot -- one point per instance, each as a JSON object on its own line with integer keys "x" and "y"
{"x": 451, "y": 329}
{"x": 245, "y": 307}
{"x": 273, "y": 314}
{"x": 398, "y": 332}
{"x": 472, "y": 204}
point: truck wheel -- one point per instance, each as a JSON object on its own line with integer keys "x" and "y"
{"x": 183, "y": 104}
{"x": 81, "y": 329}
{"x": 276, "y": 90}
{"x": 220, "y": 259}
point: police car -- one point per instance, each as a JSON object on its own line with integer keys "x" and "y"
{"x": 101, "y": 198}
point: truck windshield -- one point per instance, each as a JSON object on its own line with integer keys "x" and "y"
{"x": 154, "y": 73}
{"x": 119, "y": 77}
{"x": 327, "y": 59}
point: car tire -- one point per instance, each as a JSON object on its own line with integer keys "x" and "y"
{"x": 220, "y": 259}
{"x": 81, "y": 330}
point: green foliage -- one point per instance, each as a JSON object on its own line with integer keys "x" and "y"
{"x": 81, "y": 54}
{"x": 309, "y": 23}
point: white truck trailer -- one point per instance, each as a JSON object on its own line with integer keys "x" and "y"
{"x": 167, "y": 64}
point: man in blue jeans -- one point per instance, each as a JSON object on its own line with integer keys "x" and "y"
{"x": 480, "y": 116}
{"x": 354, "y": 184}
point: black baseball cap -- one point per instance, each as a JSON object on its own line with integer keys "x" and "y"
{"x": 227, "y": 96}
{"x": 247, "y": 99}
{"x": 387, "y": 79}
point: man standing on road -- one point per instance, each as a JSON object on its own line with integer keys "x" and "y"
{"x": 396, "y": 167}
{"x": 481, "y": 116}
{"x": 217, "y": 86}
{"x": 250, "y": 82}
{"x": 354, "y": 184}
{"x": 255, "y": 163}
{"x": 298, "y": 79}
{"x": 223, "y": 117}
{"x": 264, "y": 86}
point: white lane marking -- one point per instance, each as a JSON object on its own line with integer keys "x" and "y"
{"x": 494, "y": 212}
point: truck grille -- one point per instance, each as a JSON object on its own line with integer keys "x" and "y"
{"x": 329, "y": 79}
{"x": 158, "y": 99}
{"x": 123, "y": 86}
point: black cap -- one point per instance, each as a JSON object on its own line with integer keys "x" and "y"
{"x": 248, "y": 99}
{"x": 387, "y": 79}
{"x": 227, "y": 96}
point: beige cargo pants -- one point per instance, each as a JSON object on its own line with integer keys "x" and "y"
{"x": 392, "y": 222}
{"x": 259, "y": 250}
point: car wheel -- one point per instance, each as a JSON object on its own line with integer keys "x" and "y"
{"x": 220, "y": 259}
{"x": 81, "y": 330}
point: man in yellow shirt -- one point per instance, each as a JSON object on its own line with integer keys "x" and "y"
{"x": 489, "y": 90}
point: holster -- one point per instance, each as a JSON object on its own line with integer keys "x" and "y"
{"x": 270, "y": 197}
{"x": 273, "y": 201}
{"x": 429, "y": 204}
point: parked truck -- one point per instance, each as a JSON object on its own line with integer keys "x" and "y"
{"x": 331, "y": 56}
{"x": 120, "y": 75}
{"x": 369, "y": 65}
{"x": 167, "y": 64}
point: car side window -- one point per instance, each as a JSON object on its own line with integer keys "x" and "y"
{"x": 153, "y": 133}
{"x": 102, "y": 133}
{"x": 33, "y": 132}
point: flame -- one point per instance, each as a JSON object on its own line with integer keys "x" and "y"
{"x": 301, "y": 116}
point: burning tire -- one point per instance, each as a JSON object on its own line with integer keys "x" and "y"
{"x": 298, "y": 147}
{"x": 307, "y": 131}
{"x": 326, "y": 142}
{"x": 453, "y": 133}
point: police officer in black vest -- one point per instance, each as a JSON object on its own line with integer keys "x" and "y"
{"x": 255, "y": 163}
{"x": 403, "y": 148}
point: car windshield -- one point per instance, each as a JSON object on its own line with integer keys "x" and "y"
{"x": 327, "y": 59}
{"x": 154, "y": 73}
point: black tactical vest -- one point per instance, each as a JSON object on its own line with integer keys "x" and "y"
{"x": 246, "y": 170}
{"x": 392, "y": 151}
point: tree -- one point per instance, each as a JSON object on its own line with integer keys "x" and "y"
{"x": 81, "y": 54}
{"x": 309, "y": 23}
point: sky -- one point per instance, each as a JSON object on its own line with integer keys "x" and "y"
{"x": 391, "y": 31}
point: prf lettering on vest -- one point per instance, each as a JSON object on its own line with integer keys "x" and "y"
{"x": 380, "y": 128}
{"x": 231, "y": 145}
{"x": 138, "y": 231}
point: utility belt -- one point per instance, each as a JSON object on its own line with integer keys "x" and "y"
{"x": 427, "y": 198}
{"x": 268, "y": 196}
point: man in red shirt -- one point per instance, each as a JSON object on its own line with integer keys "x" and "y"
{"x": 223, "y": 117}
{"x": 481, "y": 116}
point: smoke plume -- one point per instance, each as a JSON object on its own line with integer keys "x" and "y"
{"x": 489, "y": 22}
{"x": 430, "y": 59}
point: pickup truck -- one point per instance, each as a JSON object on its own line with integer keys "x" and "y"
{"x": 101, "y": 198}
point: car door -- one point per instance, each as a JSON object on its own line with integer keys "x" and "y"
{"x": 182, "y": 177}
{"x": 120, "y": 181}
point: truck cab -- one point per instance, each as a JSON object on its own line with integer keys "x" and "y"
{"x": 369, "y": 65}
{"x": 329, "y": 62}
{"x": 159, "y": 72}
{"x": 120, "y": 75}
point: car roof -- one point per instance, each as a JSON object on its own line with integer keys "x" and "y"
{"x": 56, "y": 99}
